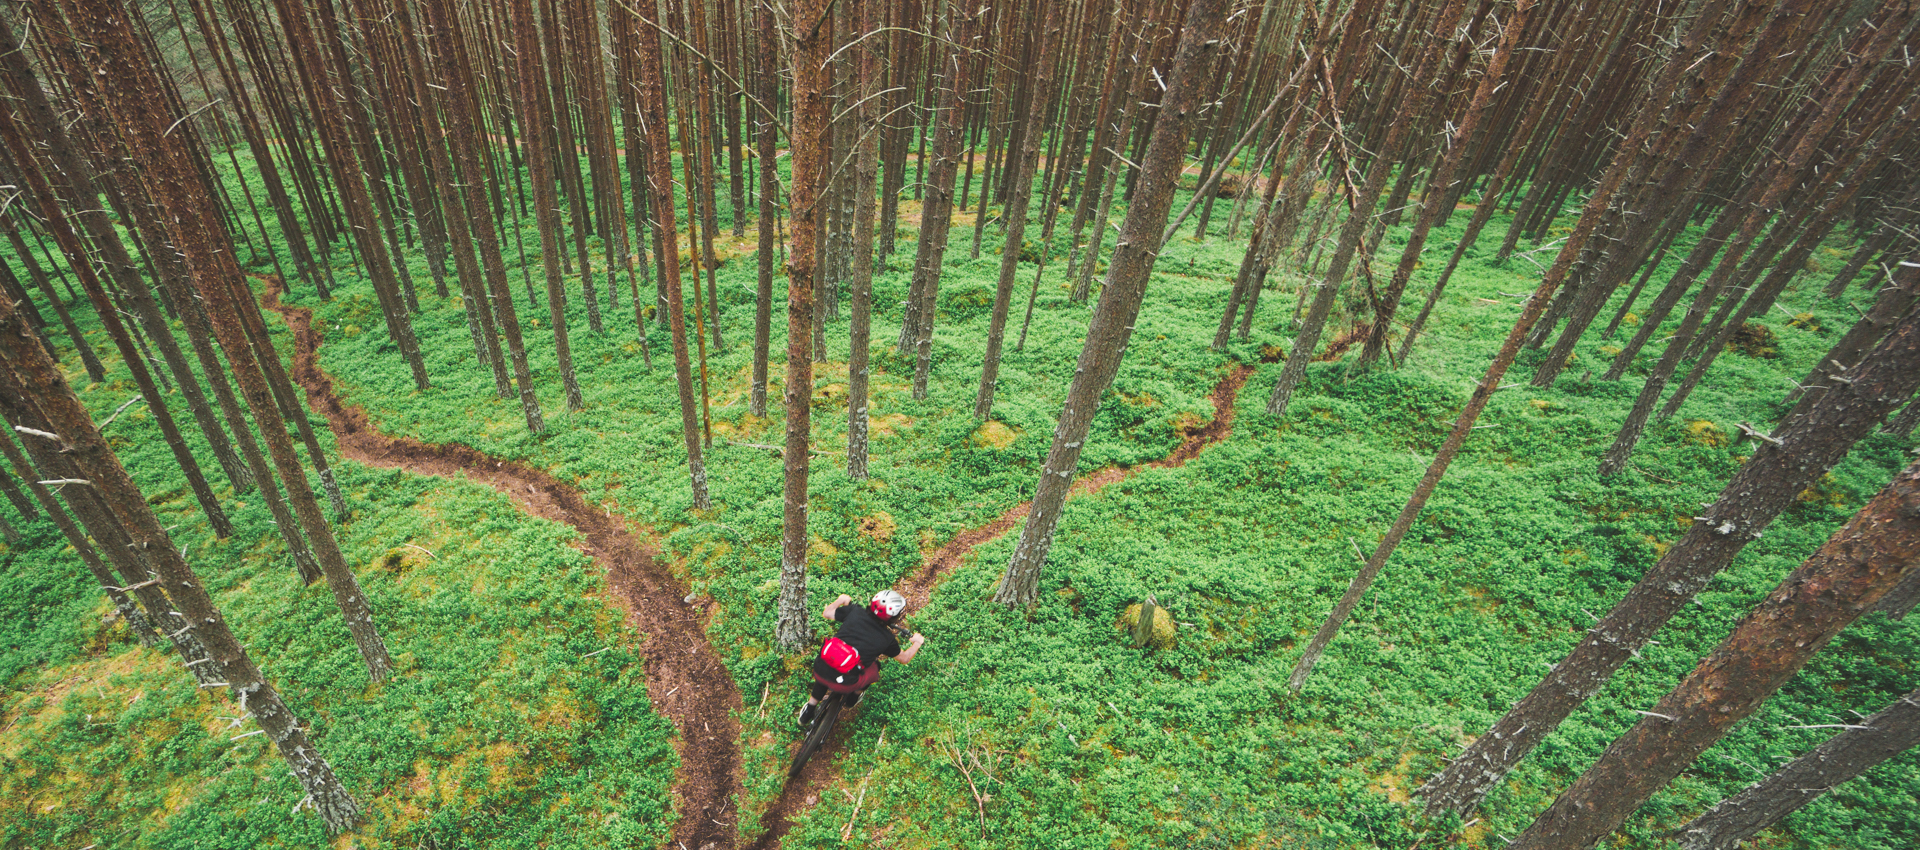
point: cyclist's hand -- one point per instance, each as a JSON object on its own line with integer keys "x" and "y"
{"x": 918, "y": 639}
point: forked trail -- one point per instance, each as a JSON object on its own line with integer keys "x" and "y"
{"x": 819, "y": 773}
{"x": 686, "y": 680}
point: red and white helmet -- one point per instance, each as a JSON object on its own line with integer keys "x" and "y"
{"x": 887, "y": 605}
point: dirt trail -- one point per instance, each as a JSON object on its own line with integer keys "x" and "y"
{"x": 819, "y": 773}
{"x": 686, "y": 680}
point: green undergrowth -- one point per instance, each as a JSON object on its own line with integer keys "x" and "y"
{"x": 1042, "y": 728}
{"x": 517, "y": 710}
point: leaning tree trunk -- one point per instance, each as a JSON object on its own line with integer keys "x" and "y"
{"x": 1794, "y": 457}
{"x": 132, "y": 93}
{"x": 137, "y": 620}
{"x": 1126, "y": 285}
{"x": 1842, "y": 580}
{"x": 88, "y": 449}
{"x": 1888, "y": 733}
{"x": 1019, "y": 197}
{"x": 96, "y": 372}
{"x": 1895, "y": 299}
{"x": 49, "y": 450}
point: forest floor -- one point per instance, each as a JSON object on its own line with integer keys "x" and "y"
{"x": 686, "y": 681}
{"x": 585, "y": 659}
{"x": 691, "y": 687}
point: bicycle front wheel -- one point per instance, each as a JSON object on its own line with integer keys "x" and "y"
{"x": 818, "y": 734}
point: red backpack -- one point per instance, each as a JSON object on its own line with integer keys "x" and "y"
{"x": 841, "y": 656}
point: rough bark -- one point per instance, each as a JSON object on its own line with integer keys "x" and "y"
{"x": 88, "y": 360}
{"x": 812, "y": 45}
{"x": 653, "y": 113}
{"x": 1019, "y": 198}
{"x": 1112, "y": 323}
{"x": 1801, "y": 450}
{"x": 1888, "y": 733}
{"x": 198, "y": 616}
{"x": 1895, "y": 297}
{"x": 82, "y": 264}
{"x": 1848, "y": 574}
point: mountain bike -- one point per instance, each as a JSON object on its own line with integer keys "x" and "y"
{"x": 827, "y": 715}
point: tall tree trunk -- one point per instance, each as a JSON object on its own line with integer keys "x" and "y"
{"x": 137, "y": 621}
{"x": 653, "y": 113}
{"x": 812, "y": 45}
{"x": 74, "y": 179}
{"x": 463, "y": 126}
{"x": 703, "y": 83}
{"x": 1888, "y": 733}
{"x": 1113, "y": 318}
{"x": 1794, "y": 457}
{"x": 351, "y": 181}
{"x": 860, "y": 285}
{"x": 1896, "y": 298}
{"x": 1858, "y": 564}
{"x": 132, "y": 93}
{"x": 1019, "y": 198}
{"x": 764, "y": 126}
{"x": 1438, "y": 198}
{"x": 77, "y": 257}
{"x": 535, "y": 123}
{"x": 1358, "y": 220}
{"x": 936, "y": 212}
{"x": 88, "y": 360}
{"x": 201, "y": 620}
{"x": 457, "y": 223}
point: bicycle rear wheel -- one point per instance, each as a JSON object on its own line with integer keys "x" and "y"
{"x": 818, "y": 734}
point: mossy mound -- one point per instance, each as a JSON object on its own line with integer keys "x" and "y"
{"x": 1705, "y": 433}
{"x": 1754, "y": 340}
{"x": 1165, "y": 633}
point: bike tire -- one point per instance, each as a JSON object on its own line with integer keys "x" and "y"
{"x": 818, "y": 734}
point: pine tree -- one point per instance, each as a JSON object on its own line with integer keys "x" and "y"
{"x": 1120, "y": 298}
{"x": 812, "y": 45}
{"x": 1855, "y": 567}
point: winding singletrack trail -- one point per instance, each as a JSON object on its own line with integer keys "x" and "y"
{"x": 685, "y": 678}
{"x": 820, "y": 771}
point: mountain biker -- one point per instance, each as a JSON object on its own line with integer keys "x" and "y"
{"x": 866, "y": 631}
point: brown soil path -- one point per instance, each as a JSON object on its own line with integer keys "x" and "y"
{"x": 799, "y": 796}
{"x": 686, "y": 680}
